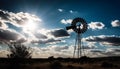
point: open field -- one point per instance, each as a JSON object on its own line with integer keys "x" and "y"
{"x": 61, "y": 63}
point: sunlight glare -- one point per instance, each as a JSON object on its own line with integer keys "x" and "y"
{"x": 30, "y": 26}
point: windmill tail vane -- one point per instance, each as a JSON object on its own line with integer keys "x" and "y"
{"x": 69, "y": 27}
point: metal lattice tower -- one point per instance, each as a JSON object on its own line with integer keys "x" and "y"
{"x": 78, "y": 25}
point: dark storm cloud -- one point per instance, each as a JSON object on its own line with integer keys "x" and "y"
{"x": 57, "y": 48}
{"x": 117, "y": 50}
{"x": 46, "y": 41}
{"x": 88, "y": 47}
{"x": 97, "y": 50}
{"x": 51, "y": 36}
{"x": 4, "y": 15}
{"x": 21, "y": 40}
{"x": 105, "y": 40}
{"x": 40, "y": 36}
{"x": 111, "y": 52}
{"x": 7, "y": 35}
{"x": 107, "y": 52}
{"x": 59, "y": 33}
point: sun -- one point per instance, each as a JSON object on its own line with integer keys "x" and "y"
{"x": 30, "y": 26}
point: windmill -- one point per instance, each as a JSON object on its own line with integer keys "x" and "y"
{"x": 79, "y": 26}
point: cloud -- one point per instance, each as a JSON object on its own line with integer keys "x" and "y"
{"x": 96, "y": 25}
{"x": 68, "y": 21}
{"x": 17, "y": 19}
{"x": 90, "y": 45}
{"x": 45, "y": 41}
{"x": 60, "y": 10}
{"x": 4, "y": 15}
{"x": 92, "y": 25}
{"x": 71, "y": 11}
{"x": 105, "y": 40}
{"x": 103, "y": 53}
{"x": 106, "y": 53}
{"x": 61, "y": 48}
{"x": 56, "y": 51}
{"x": 3, "y": 53}
{"x": 59, "y": 33}
{"x": 53, "y": 33}
{"x": 11, "y": 35}
{"x": 112, "y": 52}
{"x": 67, "y": 51}
{"x": 21, "y": 40}
{"x": 3, "y": 25}
{"x": 115, "y": 23}
{"x": 96, "y": 53}
{"x": 97, "y": 50}
{"x": 40, "y": 35}
{"x": 50, "y": 36}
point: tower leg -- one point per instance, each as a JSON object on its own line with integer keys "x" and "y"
{"x": 77, "y": 47}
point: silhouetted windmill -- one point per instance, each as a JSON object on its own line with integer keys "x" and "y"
{"x": 78, "y": 25}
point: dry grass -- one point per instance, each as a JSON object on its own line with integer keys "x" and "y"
{"x": 63, "y": 66}
{"x": 71, "y": 66}
{"x": 105, "y": 63}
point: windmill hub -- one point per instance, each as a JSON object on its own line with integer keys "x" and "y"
{"x": 79, "y": 25}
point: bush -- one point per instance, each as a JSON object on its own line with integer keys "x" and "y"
{"x": 18, "y": 55}
{"x": 51, "y": 59}
{"x": 19, "y": 51}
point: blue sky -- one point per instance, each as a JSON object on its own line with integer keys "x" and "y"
{"x": 41, "y": 24}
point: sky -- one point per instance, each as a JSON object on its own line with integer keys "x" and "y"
{"x": 41, "y": 24}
